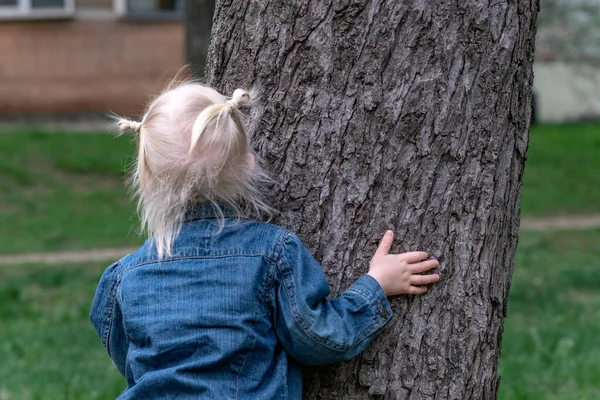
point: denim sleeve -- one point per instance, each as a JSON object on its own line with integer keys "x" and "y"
{"x": 107, "y": 319}
{"x": 316, "y": 330}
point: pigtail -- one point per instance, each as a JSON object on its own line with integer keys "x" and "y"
{"x": 240, "y": 98}
{"x": 228, "y": 130}
{"x": 127, "y": 125}
{"x": 142, "y": 169}
{"x": 208, "y": 115}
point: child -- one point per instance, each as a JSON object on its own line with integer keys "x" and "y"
{"x": 218, "y": 305}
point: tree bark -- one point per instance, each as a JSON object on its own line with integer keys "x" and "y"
{"x": 403, "y": 115}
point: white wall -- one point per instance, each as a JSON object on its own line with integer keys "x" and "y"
{"x": 566, "y": 91}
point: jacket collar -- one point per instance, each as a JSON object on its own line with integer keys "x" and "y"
{"x": 208, "y": 210}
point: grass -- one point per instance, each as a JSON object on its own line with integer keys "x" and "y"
{"x": 48, "y": 348}
{"x": 550, "y": 346}
{"x": 561, "y": 173}
{"x": 64, "y": 191}
{"x": 550, "y": 349}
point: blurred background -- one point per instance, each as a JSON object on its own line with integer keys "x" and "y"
{"x": 68, "y": 56}
{"x": 64, "y": 212}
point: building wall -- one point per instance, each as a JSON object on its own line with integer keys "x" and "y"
{"x": 84, "y": 65}
{"x": 566, "y": 91}
{"x": 118, "y": 65}
{"x": 106, "y": 5}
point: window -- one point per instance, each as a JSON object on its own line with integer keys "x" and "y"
{"x": 131, "y": 9}
{"x": 36, "y": 4}
{"x": 35, "y": 8}
{"x": 150, "y": 9}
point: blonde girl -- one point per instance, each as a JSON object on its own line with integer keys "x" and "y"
{"x": 218, "y": 304}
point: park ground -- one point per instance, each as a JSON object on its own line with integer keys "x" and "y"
{"x": 64, "y": 192}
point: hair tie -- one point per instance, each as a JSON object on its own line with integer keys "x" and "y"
{"x": 136, "y": 126}
{"x": 127, "y": 125}
{"x": 239, "y": 99}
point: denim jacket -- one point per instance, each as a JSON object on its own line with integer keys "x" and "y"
{"x": 232, "y": 314}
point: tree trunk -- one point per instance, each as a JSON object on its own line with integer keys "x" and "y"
{"x": 403, "y": 115}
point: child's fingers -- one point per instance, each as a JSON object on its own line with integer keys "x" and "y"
{"x": 424, "y": 279}
{"x": 413, "y": 256}
{"x": 417, "y": 290}
{"x": 386, "y": 244}
{"x": 423, "y": 266}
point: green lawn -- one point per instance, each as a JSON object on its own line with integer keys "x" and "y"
{"x": 562, "y": 172}
{"x": 48, "y": 347}
{"x": 66, "y": 191}
{"x": 550, "y": 348}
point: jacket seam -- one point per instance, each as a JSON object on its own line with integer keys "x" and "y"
{"x": 372, "y": 305}
{"x": 264, "y": 294}
{"x": 279, "y": 244}
{"x": 366, "y": 296}
{"x": 237, "y": 381}
{"x": 197, "y": 258}
{"x": 110, "y": 311}
{"x": 374, "y": 302}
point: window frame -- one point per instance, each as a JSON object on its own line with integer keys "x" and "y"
{"x": 120, "y": 8}
{"x": 24, "y": 10}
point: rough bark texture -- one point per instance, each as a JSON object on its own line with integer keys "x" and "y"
{"x": 198, "y": 22}
{"x": 403, "y": 115}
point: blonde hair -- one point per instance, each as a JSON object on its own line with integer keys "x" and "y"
{"x": 193, "y": 148}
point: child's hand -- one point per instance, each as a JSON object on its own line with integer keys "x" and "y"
{"x": 399, "y": 273}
